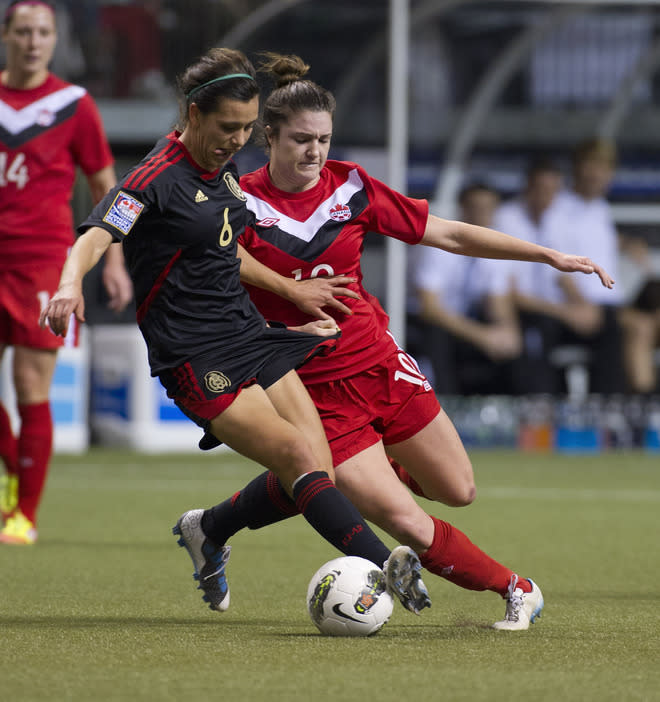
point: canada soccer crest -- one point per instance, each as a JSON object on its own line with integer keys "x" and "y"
{"x": 45, "y": 118}
{"x": 340, "y": 213}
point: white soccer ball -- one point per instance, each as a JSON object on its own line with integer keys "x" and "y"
{"x": 347, "y": 597}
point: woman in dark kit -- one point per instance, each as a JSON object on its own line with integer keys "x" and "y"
{"x": 179, "y": 214}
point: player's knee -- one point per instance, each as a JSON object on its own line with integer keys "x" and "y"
{"x": 468, "y": 494}
{"x": 459, "y": 495}
{"x": 293, "y": 456}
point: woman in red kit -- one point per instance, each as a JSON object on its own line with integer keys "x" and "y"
{"x": 48, "y": 128}
{"x": 377, "y": 408}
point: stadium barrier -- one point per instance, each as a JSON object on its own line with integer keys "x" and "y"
{"x": 563, "y": 424}
{"x": 127, "y": 406}
{"x": 104, "y": 385}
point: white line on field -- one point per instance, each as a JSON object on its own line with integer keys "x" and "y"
{"x": 577, "y": 494}
{"x": 107, "y": 482}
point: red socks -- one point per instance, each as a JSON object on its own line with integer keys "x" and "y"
{"x": 8, "y": 443}
{"x": 454, "y": 557}
{"x": 35, "y": 444}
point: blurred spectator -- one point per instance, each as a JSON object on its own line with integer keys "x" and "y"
{"x": 555, "y": 309}
{"x": 641, "y": 324}
{"x": 587, "y": 209}
{"x": 466, "y": 324}
{"x": 130, "y": 36}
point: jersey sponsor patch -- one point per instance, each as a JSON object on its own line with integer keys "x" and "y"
{"x": 123, "y": 212}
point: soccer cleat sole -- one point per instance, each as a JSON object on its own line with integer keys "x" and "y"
{"x": 403, "y": 574}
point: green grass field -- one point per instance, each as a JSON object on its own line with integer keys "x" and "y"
{"x": 104, "y": 607}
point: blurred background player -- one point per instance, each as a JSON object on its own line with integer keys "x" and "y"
{"x": 48, "y": 127}
{"x": 465, "y": 323}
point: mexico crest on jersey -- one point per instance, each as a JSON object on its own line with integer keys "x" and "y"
{"x": 216, "y": 381}
{"x": 234, "y": 187}
{"x": 340, "y": 213}
{"x": 123, "y": 212}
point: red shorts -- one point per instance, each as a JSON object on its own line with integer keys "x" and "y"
{"x": 391, "y": 401}
{"x": 24, "y": 293}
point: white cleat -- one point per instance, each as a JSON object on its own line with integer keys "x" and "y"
{"x": 522, "y": 608}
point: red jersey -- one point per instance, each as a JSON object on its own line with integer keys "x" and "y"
{"x": 321, "y": 231}
{"x": 44, "y": 134}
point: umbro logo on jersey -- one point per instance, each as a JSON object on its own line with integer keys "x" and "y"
{"x": 268, "y": 222}
{"x": 340, "y": 213}
{"x": 200, "y": 197}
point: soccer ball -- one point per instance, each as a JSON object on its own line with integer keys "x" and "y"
{"x": 347, "y": 597}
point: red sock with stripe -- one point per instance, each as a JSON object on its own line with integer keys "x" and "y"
{"x": 336, "y": 519}
{"x": 35, "y": 443}
{"x": 8, "y": 442}
{"x": 454, "y": 557}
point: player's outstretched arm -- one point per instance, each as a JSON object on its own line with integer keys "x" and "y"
{"x": 68, "y": 299}
{"x": 309, "y": 296}
{"x": 471, "y": 240}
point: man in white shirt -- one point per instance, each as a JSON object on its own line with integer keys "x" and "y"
{"x": 594, "y": 165}
{"x": 465, "y": 323}
{"x": 556, "y": 309}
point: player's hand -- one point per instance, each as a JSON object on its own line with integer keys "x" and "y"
{"x": 312, "y": 295}
{"x": 117, "y": 285}
{"x": 57, "y": 312}
{"x": 320, "y": 327}
{"x": 582, "y": 264}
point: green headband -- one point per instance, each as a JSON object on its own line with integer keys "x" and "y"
{"x": 215, "y": 80}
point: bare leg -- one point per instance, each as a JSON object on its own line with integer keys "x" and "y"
{"x": 436, "y": 458}
{"x": 368, "y": 480}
